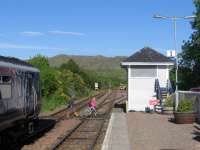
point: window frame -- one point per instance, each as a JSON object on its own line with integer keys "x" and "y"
{"x": 10, "y": 83}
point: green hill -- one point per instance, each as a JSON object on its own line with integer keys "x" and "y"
{"x": 107, "y": 66}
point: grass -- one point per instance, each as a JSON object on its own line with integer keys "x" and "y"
{"x": 54, "y": 101}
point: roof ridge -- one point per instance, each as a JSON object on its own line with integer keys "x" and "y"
{"x": 148, "y": 54}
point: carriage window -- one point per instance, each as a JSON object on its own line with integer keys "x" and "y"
{"x": 5, "y": 87}
{"x": 6, "y": 79}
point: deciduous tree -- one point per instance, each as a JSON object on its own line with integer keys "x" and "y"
{"x": 190, "y": 56}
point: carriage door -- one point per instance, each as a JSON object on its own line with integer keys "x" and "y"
{"x": 29, "y": 94}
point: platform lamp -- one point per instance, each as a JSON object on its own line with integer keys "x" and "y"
{"x": 174, "y": 18}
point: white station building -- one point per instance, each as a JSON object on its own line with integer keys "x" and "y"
{"x": 144, "y": 67}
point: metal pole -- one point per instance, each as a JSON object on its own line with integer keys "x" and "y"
{"x": 175, "y": 46}
{"x": 174, "y": 18}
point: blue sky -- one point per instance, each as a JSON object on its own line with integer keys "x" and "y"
{"x": 90, "y": 27}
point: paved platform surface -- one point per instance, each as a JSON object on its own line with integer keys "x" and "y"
{"x": 117, "y": 134}
{"x": 155, "y": 132}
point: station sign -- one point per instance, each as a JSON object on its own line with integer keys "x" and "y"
{"x": 96, "y": 85}
{"x": 171, "y": 53}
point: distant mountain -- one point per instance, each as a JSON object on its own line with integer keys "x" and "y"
{"x": 101, "y": 64}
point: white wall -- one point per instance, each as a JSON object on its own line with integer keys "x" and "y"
{"x": 141, "y": 89}
{"x": 130, "y": 90}
{"x": 130, "y": 94}
{"x": 162, "y": 75}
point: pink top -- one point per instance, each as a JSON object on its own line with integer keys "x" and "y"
{"x": 92, "y": 102}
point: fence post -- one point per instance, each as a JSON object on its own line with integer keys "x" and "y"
{"x": 177, "y": 100}
{"x": 198, "y": 109}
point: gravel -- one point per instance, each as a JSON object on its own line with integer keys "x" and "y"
{"x": 51, "y": 137}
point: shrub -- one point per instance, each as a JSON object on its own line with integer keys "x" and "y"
{"x": 185, "y": 105}
{"x": 60, "y": 84}
{"x": 168, "y": 102}
{"x": 47, "y": 74}
{"x": 51, "y": 102}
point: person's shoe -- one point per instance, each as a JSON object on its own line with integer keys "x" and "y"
{"x": 76, "y": 114}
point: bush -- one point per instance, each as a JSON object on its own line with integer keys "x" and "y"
{"x": 48, "y": 81}
{"x": 185, "y": 105}
{"x": 47, "y": 74}
{"x": 51, "y": 102}
{"x": 60, "y": 84}
{"x": 168, "y": 102}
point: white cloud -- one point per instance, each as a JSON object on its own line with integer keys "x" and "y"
{"x": 59, "y": 32}
{"x": 31, "y": 33}
{"x": 54, "y": 32}
{"x": 28, "y": 47}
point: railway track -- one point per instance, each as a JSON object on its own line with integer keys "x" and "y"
{"x": 85, "y": 135}
{"x": 77, "y": 107}
{"x": 45, "y": 124}
{"x": 90, "y": 126}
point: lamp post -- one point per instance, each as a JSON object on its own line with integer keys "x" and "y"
{"x": 174, "y": 18}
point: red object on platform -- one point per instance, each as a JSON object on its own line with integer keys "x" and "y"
{"x": 154, "y": 101}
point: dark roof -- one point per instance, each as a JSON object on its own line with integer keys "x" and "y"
{"x": 14, "y": 61}
{"x": 148, "y": 55}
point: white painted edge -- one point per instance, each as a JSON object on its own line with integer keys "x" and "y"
{"x": 143, "y": 77}
{"x": 107, "y": 138}
{"x": 189, "y": 92}
{"x": 10, "y": 65}
{"x": 146, "y": 63}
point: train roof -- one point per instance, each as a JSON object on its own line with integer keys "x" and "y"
{"x": 16, "y": 63}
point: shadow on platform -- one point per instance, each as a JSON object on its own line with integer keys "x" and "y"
{"x": 42, "y": 127}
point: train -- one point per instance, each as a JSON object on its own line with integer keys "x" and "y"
{"x": 20, "y": 94}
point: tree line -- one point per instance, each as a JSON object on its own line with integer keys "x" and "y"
{"x": 189, "y": 58}
{"x": 58, "y": 85}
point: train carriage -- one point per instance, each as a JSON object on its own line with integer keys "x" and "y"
{"x": 20, "y": 99}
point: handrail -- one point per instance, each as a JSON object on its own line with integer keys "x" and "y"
{"x": 158, "y": 90}
{"x": 158, "y": 94}
{"x": 170, "y": 89}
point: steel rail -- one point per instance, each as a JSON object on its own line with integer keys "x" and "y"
{"x": 97, "y": 130}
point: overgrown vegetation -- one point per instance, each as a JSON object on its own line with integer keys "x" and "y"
{"x": 168, "y": 102}
{"x": 59, "y": 84}
{"x": 189, "y": 65}
{"x": 185, "y": 105}
{"x": 108, "y": 67}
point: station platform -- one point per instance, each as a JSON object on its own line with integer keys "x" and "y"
{"x": 117, "y": 134}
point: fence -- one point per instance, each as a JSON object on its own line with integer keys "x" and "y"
{"x": 189, "y": 95}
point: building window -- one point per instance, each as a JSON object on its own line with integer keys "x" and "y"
{"x": 5, "y": 87}
{"x": 143, "y": 71}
